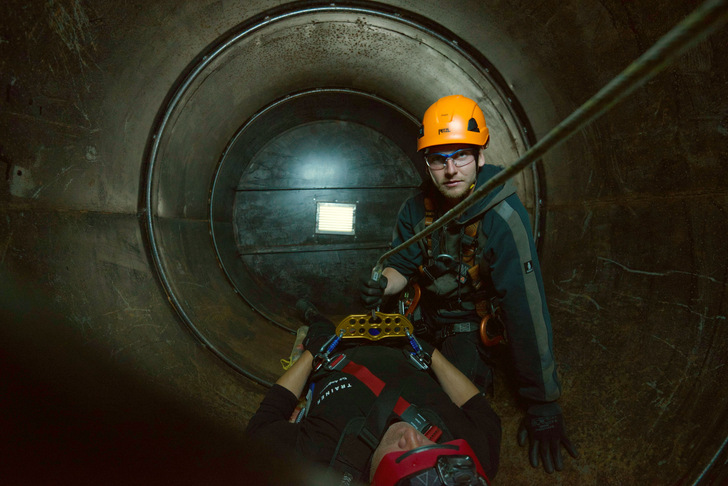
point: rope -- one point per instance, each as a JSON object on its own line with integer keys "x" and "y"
{"x": 699, "y": 24}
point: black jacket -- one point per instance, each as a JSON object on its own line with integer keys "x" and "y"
{"x": 509, "y": 268}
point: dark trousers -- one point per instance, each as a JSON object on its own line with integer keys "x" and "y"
{"x": 466, "y": 351}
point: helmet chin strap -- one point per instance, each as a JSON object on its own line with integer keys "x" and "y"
{"x": 480, "y": 152}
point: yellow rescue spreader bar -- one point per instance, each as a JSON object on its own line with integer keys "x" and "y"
{"x": 375, "y": 328}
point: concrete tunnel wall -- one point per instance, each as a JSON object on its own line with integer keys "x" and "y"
{"x": 633, "y": 245}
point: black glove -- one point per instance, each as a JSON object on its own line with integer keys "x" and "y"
{"x": 317, "y": 335}
{"x": 544, "y": 427}
{"x": 320, "y": 329}
{"x": 371, "y": 292}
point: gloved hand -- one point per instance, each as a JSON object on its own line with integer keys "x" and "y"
{"x": 320, "y": 329}
{"x": 371, "y": 292}
{"x": 317, "y": 335}
{"x": 544, "y": 427}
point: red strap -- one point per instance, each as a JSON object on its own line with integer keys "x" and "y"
{"x": 365, "y": 376}
{"x": 373, "y": 383}
{"x": 401, "y": 406}
{"x": 376, "y": 386}
{"x": 433, "y": 433}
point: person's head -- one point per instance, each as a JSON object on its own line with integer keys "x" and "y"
{"x": 405, "y": 456}
{"x": 452, "y": 138}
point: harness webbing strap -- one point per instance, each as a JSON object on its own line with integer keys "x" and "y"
{"x": 469, "y": 250}
{"x": 374, "y": 384}
{"x": 365, "y": 376}
{"x": 469, "y": 243}
{"x": 404, "y": 409}
{"x": 429, "y": 218}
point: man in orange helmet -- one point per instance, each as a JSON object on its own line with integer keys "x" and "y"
{"x": 487, "y": 255}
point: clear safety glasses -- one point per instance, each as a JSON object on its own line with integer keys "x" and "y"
{"x": 461, "y": 158}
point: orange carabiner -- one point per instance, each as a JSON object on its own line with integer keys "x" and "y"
{"x": 413, "y": 302}
{"x": 487, "y": 340}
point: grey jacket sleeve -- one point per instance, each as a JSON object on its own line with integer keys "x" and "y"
{"x": 511, "y": 259}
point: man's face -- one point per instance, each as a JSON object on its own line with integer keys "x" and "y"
{"x": 399, "y": 437}
{"x": 455, "y": 183}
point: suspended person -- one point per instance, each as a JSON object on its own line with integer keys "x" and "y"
{"x": 483, "y": 260}
{"x": 378, "y": 416}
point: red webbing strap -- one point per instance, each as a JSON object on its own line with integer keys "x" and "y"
{"x": 433, "y": 433}
{"x": 365, "y": 376}
{"x": 376, "y": 386}
{"x": 401, "y": 406}
{"x": 373, "y": 383}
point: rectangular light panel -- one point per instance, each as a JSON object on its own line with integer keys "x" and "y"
{"x": 335, "y": 218}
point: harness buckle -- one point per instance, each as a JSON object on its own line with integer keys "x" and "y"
{"x": 458, "y": 327}
{"x": 336, "y": 363}
{"x": 433, "y": 433}
{"x": 413, "y": 417}
{"x": 322, "y": 357}
{"x": 419, "y": 357}
{"x": 420, "y": 362}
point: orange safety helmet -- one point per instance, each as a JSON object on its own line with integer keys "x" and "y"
{"x": 453, "y": 119}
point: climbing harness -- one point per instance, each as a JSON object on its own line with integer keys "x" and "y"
{"x": 439, "y": 263}
{"x": 406, "y": 411}
{"x": 462, "y": 270}
{"x": 362, "y": 434}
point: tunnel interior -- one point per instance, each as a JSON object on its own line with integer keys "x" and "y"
{"x": 252, "y": 175}
{"x": 332, "y": 146}
{"x": 164, "y": 164}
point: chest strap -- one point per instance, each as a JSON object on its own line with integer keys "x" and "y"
{"x": 405, "y": 410}
{"x": 468, "y": 243}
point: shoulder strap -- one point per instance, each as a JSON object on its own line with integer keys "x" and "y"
{"x": 362, "y": 435}
{"x": 401, "y": 407}
{"x": 430, "y": 215}
{"x": 473, "y": 238}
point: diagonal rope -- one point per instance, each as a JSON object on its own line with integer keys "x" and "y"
{"x": 703, "y": 21}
